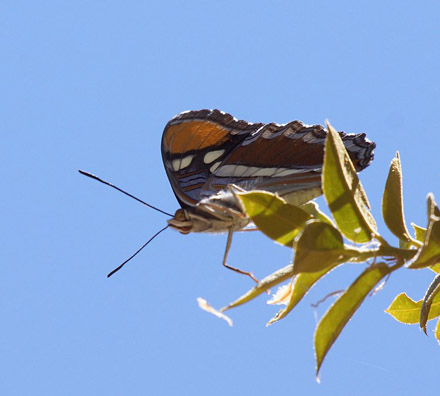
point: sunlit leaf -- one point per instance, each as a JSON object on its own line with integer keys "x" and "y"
{"x": 420, "y": 232}
{"x": 302, "y": 283}
{"x": 431, "y": 293}
{"x": 344, "y": 193}
{"x": 265, "y": 284}
{"x": 435, "y": 268}
{"x": 313, "y": 209}
{"x": 334, "y": 320}
{"x": 392, "y": 202}
{"x": 273, "y": 216}
{"x": 406, "y": 310}
{"x": 320, "y": 246}
{"x": 429, "y": 254}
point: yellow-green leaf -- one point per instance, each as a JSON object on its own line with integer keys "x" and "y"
{"x": 274, "y": 217}
{"x": 431, "y": 293}
{"x": 334, "y": 320}
{"x": 344, "y": 193}
{"x": 406, "y": 310}
{"x": 435, "y": 268}
{"x": 392, "y": 202}
{"x": 312, "y": 208}
{"x": 319, "y": 247}
{"x": 420, "y": 232}
{"x": 265, "y": 284}
{"x": 302, "y": 284}
{"x": 429, "y": 254}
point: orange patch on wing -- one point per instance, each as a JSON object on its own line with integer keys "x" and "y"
{"x": 194, "y": 135}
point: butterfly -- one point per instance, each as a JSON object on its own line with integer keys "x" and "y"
{"x": 209, "y": 155}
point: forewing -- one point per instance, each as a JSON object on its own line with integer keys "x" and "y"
{"x": 193, "y": 143}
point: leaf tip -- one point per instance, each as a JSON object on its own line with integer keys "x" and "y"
{"x": 328, "y": 125}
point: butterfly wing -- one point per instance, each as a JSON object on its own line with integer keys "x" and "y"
{"x": 195, "y": 140}
{"x": 286, "y": 159}
{"x": 204, "y": 151}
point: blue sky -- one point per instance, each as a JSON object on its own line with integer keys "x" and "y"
{"x": 91, "y": 85}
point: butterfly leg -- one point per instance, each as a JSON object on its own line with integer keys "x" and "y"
{"x": 228, "y": 246}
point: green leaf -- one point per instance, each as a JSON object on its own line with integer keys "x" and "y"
{"x": 392, "y": 202}
{"x": 334, "y": 320}
{"x": 431, "y": 293}
{"x": 277, "y": 219}
{"x": 344, "y": 193}
{"x": 429, "y": 254}
{"x": 435, "y": 268}
{"x": 265, "y": 284}
{"x": 319, "y": 247}
{"x": 302, "y": 284}
{"x": 312, "y": 208}
{"x": 406, "y": 310}
{"x": 420, "y": 232}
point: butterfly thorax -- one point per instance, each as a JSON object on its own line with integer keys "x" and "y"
{"x": 221, "y": 212}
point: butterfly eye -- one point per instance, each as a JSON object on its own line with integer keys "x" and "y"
{"x": 180, "y": 215}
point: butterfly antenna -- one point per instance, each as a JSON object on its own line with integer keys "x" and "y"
{"x": 137, "y": 251}
{"x": 124, "y": 192}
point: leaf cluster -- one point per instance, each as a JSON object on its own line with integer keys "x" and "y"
{"x": 321, "y": 244}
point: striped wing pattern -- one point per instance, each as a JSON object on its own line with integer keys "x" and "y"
{"x": 204, "y": 151}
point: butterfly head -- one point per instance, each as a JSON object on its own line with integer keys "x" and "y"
{"x": 181, "y": 222}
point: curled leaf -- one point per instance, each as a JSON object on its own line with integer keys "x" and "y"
{"x": 344, "y": 193}
{"x": 392, "y": 202}
{"x": 429, "y": 254}
{"x": 274, "y": 217}
{"x": 431, "y": 293}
